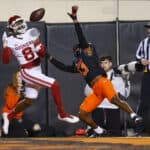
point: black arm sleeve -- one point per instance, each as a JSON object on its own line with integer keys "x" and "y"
{"x": 63, "y": 67}
{"x": 116, "y": 70}
{"x": 81, "y": 38}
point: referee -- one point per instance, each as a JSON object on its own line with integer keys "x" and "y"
{"x": 143, "y": 55}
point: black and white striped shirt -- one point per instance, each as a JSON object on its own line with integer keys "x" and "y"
{"x": 143, "y": 51}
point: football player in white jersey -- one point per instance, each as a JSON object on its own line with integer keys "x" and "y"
{"x": 26, "y": 46}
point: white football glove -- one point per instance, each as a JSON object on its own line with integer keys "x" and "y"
{"x": 5, "y": 39}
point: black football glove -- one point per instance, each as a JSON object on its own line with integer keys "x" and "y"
{"x": 73, "y": 15}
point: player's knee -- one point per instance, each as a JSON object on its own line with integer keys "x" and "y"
{"x": 32, "y": 95}
{"x": 115, "y": 100}
{"x": 55, "y": 84}
{"x": 83, "y": 114}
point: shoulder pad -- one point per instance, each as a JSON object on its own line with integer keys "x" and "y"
{"x": 34, "y": 33}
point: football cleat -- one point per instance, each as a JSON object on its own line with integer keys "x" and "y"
{"x": 68, "y": 118}
{"x": 80, "y": 131}
{"x": 92, "y": 134}
{"x": 137, "y": 119}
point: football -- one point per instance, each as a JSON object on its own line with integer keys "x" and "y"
{"x": 37, "y": 14}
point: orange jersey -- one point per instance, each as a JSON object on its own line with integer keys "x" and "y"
{"x": 11, "y": 100}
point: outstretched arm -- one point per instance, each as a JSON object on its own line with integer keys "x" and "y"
{"x": 62, "y": 66}
{"x": 6, "y": 51}
{"x": 81, "y": 38}
{"x": 131, "y": 67}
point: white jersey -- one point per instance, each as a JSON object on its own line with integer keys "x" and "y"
{"x": 24, "y": 49}
{"x": 119, "y": 83}
{"x": 119, "y": 86}
{"x": 23, "y": 46}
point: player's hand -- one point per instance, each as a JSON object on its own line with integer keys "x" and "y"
{"x": 73, "y": 14}
{"x": 145, "y": 62}
{"x": 4, "y": 39}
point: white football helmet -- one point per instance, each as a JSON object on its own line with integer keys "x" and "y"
{"x": 17, "y": 25}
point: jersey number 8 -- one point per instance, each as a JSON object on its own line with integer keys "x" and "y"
{"x": 28, "y": 54}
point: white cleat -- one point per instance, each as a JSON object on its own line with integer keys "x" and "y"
{"x": 5, "y": 126}
{"x": 69, "y": 118}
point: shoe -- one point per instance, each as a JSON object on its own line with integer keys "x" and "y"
{"x": 80, "y": 131}
{"x": 5, "y": 126}
{"x": 68, "y": 118}
{"x": 137, "y": 135}
{"x": 92, "y": 134}
{"x": 137, "y": 119}
{"x": 89, "y": 132}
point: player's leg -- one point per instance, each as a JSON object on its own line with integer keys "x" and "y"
{"x": 89, "y": 104}
{"x": 37, "y": 77}
{"x": 62, "y": 115}
{"x": 112, "y": 96}
{"x": 30, "y": 94}
{"x": 122, "y": 104}
{"x": 126, "y": 107}
{"x": 55, "y": 88}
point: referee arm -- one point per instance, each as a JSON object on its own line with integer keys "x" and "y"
{"x": 140, "y": 54}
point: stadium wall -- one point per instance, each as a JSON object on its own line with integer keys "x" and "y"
{"x": 60, "y": 39}
{"x": 90, "y": 10}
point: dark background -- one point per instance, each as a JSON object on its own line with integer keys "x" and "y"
{"x": 60, "y": 39}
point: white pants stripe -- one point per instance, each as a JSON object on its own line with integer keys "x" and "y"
{"x": 36, "y": 78}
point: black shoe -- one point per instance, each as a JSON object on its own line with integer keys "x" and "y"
{"x": 137, "y": 119}
{"x": 92, "y": 134}
{"x": 89, "y": 132}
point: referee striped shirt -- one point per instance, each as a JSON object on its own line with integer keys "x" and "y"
{"x": 143, "y": 51}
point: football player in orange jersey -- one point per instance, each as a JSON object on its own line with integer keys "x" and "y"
{"x": 13, "y": 94}
{"x": 86, "y": 63}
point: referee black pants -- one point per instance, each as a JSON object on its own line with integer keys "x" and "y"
{"x": 144, "y": 106}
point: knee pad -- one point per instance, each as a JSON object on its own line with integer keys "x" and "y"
{"x": 31, "y": 93}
